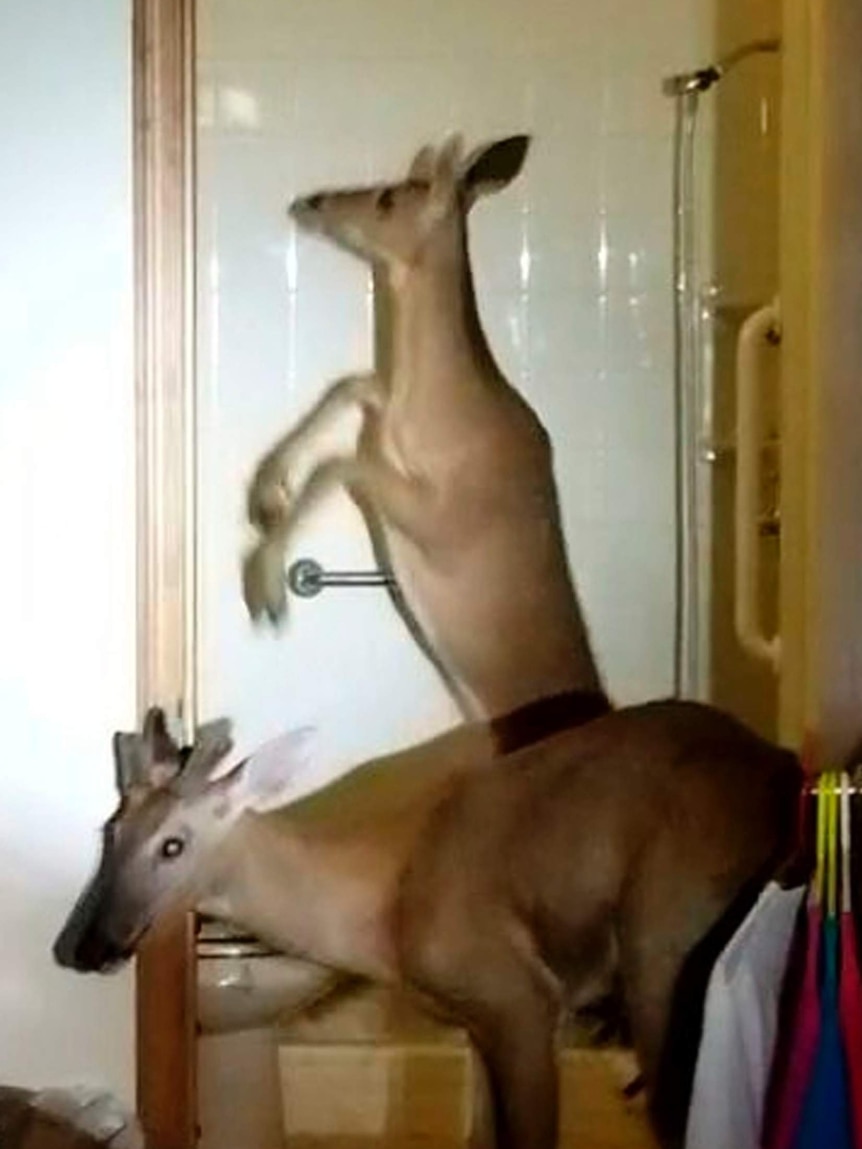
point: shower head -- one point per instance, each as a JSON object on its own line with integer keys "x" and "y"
{"x": 685, "y": 82}
{"x": 702, "y": 79}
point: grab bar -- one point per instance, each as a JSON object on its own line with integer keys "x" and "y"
{"x": 307, "y": 578}
{"x": 763, "y": 325}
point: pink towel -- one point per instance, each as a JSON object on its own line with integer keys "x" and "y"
{"x": 804, "y": 1035}
{"x": 850, "y": 992}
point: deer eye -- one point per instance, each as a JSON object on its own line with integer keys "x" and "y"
{"x": 386, "y": 200}
{"x": 172, "y": 848}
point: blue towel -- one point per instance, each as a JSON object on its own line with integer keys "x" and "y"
{"x": 825, "y": 1122}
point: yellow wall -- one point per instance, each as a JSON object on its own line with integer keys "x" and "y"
{"x": 797, "y": 234}
{"x": 821, "y": 270}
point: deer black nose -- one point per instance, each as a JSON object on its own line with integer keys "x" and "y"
{"x": 306, "y": 204}
{"x": 79, "y": 948}
{"x": 88, "y": 950}
{"x": 306, "y": 210}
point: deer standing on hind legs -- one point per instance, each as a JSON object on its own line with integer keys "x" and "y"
{"x": 496, "y": 892}
{"x": 453, "y": 469}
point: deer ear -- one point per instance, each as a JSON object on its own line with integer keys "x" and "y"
{"x": 447, "y": 163}
{"x": 448, "y": 160}
{"x": 156, "y": 738}
{"x": 129, "y": 765}
{"x": 422, "y": 165}
{"x": 279, "y": 771}
{"x": 492, "y": 167}
{"x": 160, "y": 752}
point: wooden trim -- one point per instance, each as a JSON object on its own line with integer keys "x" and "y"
{"x": 835, "y": 544}
{"x": 798, "y": 243}
{"x": 166, "y": 1052}
{"x": 821, "y": 620}
{"x": 163, "y": 61}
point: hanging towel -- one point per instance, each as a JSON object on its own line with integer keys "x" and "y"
{"x": 825, "y": 1120}
{"x": 785, "y": 1049}
{"x": 672, "y": 1088}
{"x": 796, "y": 1064}
{"x": 740, "y": 1022}
{"x": 850, "y": 994}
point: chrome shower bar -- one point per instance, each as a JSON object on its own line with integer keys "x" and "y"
{"x": 307, "y": 578}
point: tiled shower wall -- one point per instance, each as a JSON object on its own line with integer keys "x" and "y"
{"x": 574, "y": 277}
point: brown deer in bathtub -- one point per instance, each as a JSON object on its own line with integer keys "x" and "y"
{"x": 498, "y": 890}
{"x": 453, "y": 469}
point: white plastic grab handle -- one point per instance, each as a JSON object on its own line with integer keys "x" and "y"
{"x": 749, "y": 446}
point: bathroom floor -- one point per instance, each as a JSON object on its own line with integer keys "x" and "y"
{"x": 594, "y": 1111}
{"x": 374, "y": 1071}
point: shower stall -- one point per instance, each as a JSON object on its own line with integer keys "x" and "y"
{"x": 636, "y": 383}
{"x": 726, "y": 420}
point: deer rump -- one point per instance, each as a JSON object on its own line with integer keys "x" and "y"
{"x": 546, "y": 882}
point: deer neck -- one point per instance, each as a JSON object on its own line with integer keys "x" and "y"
{"x": 314, "y": 878}
{"x": 436, "y": 334}
{"x": 248, "y": 872}
{"x": 288, "y": 887}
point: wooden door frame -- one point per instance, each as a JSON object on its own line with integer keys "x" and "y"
{"x": 163, "y": 55}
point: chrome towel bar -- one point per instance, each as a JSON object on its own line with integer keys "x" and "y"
{"x": 307, "y": 578}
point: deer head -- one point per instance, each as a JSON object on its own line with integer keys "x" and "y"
{"x": 394, "y": 223}
{"x": 160, "y": 844}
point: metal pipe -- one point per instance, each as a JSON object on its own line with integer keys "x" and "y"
{"x": 686, "y": 390}
{"x": 753, "y": 48}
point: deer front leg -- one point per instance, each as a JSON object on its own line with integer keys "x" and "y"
{"x": 269, "y": 493}
{"x": 481, "y": 1132}
{"x": 404, "y": 502}
{"x": 507, "y": 1000}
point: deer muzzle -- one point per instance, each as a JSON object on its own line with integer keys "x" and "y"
{"x": 93, "y": 940}
{"x": 306, "y": 211}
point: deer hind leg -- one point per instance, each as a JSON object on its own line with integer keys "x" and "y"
{"x": 650, "y": 982}
{"x": 269, "y": 494}
{"x": 402, "y": 501}
{"x": 666, "y": 955}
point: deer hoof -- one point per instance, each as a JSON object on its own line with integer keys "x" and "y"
{"x": 269, "y": 497}
{"x": 263, "y": 583}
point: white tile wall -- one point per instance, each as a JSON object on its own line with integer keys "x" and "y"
{"x": 67, "y": 509}
{"x": 573, "y": 271}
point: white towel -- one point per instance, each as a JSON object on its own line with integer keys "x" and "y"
{"x": 739, "y": 1026}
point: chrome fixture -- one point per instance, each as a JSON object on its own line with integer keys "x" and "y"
{"x": 307, "y": 578}
{"x": 702, "y": 79}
